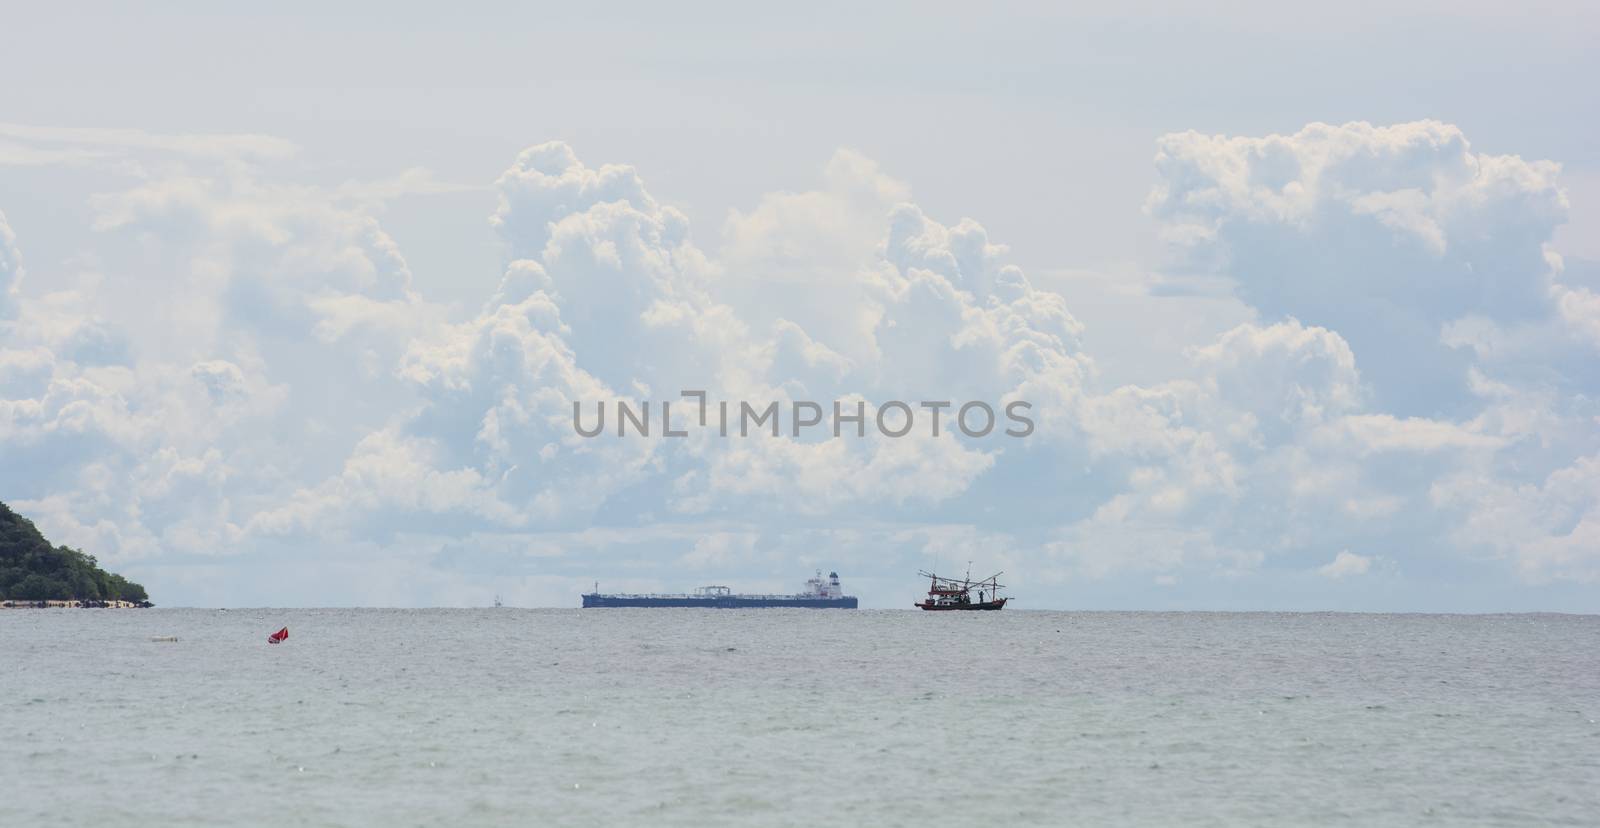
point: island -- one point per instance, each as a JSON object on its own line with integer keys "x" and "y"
{"x": 35, "y": 574}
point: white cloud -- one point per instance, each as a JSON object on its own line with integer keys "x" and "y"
{"x": 548, "y": 183}
{"x": 1580, "y": 307}
{"x": 811, "y": 258}
{"x": 1549, "y": 529}
{"x": 48, "y": 144}
{"x": 1384, "y": 234}
{"x": 249, "y": 366}
{"x": 720, "y": 550}
{"x": 616, "y": 300}
{"x": 10, "y": 271}
{"x": 1345, "y": 564}
{"x": 1285, "y": 374}
{"x": 1370, "y": 433}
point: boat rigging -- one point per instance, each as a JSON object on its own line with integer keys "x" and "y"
{"x": 958, "y": 593}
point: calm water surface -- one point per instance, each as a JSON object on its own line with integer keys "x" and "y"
{"x": 784, "y": 717}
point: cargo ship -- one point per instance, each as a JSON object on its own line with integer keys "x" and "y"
{"x": 820, "y": 593}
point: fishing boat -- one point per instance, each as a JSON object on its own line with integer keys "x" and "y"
{"x": 958, "y": 593}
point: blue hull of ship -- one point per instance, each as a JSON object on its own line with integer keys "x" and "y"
{"x": 717, "y": 602}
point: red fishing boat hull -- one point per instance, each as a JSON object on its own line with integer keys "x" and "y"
{"x": 986, "y": 605}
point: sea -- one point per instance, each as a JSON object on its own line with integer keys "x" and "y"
{"x": 777, "y": 717}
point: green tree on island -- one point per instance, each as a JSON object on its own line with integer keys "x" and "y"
{"x": 33, "y": 570}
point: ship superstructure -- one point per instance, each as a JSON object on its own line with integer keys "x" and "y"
{"x": 820, "y": 593}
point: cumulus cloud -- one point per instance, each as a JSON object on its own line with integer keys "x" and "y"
{"x": 1549, "y": 528}
{"x": 810, "y": 258}
{"x": 264, "y": 375}
{"x": 548, "y": 183}
{"x": 1283, "y": 376}
{"x": 608, "y": 298}
{"x": 1383, "y": 233}
{"x": 1427, "y": 262}
{"x": 153, "y": 397}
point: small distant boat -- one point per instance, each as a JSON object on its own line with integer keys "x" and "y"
{"x": 279, "y": 636}
{"x": 957, "y": 593}
{"x": 497, "y": 601}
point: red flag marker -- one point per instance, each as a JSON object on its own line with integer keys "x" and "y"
{"x": 278, "y": 636}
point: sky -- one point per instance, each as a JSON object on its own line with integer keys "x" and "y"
{"x": 295, "y": 302}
